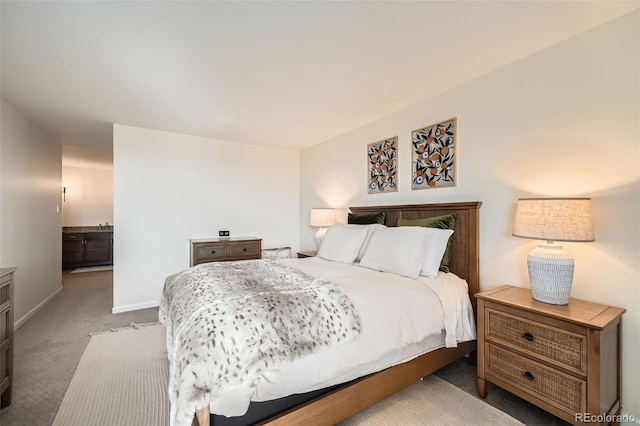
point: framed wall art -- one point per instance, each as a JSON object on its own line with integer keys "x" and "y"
{"x": 383, "y": 165}
{"x": 434, "y": 155}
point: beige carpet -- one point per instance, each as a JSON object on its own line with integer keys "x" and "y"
{"x": 122, "y": 380}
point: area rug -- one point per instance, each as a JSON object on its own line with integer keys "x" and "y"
{"x": 431, "y": 401}
{"x": 121, "y": 379}
{"x": 92, "y": 269}
{"x": 123, "y": 374}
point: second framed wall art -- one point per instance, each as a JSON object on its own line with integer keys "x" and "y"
{"x": 433, "y": 158}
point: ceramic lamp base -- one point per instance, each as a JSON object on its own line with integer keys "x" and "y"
{"x": 319, "y": 236}
{"x": 550, "y": 273}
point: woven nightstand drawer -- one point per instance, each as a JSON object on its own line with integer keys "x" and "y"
{"x": 559, "y": 346}
{"x": 565, "y": 392}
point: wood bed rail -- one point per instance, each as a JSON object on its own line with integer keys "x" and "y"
{"x": 202, "y": 417}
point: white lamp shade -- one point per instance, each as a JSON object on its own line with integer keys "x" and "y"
{"x": 322, "y": 217}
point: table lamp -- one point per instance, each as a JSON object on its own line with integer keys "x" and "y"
{"x": 553, "y": 219}
{"x": 322, "y": 218}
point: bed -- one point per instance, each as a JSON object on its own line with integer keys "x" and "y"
{"x": 336, "y": 401}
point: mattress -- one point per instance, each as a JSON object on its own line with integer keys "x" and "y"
{"x": 401, "y": 319}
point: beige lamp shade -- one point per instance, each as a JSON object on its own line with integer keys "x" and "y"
{"x": 554, "y": 219}
{"x": 322, "y": 218}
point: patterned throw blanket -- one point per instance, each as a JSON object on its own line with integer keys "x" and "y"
{"x": 227, "y": 322}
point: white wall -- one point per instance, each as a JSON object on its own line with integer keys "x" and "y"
{"x": 171, "y": 187}
{"x": 89, "y": 196}
{"x": 562, "y": 122}
{"x": 30, "y": 227}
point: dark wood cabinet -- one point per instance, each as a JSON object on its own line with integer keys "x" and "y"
{"x": 97, "y": 247}
{"x": 72, "y": 248}
{"x": 6, "y": 335}
{"x": 86, "y": 249}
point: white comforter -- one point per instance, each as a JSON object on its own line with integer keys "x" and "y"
{"x": 401, "y": 319}
{"x": 228, "y": 322}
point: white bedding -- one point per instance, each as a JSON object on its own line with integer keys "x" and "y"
{"x": 401, "y": 319}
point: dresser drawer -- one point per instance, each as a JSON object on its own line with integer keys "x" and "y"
{"x": 73, "y": 236}
{"x": 4, "y": 330}
{"x": 4, "y": 369}
{"x": 6, "y": 279}
{"x": 555, "y": 345}
{"x": 4, "y": 295}
{"x": 563, "y": 391}
{"x": 208, "y": 253}
{"x": 245, "y": 249}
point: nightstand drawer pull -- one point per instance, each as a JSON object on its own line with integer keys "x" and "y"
{"x": 528, "y": 336}
{"x": 528, "y": 376}
{"x": 213, "y": 252}
{"x": 244, "y": 249}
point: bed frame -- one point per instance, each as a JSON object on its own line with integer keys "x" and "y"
{"x": 346, "y": 400}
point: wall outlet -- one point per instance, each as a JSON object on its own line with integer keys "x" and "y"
{"x": 223, "y": 233}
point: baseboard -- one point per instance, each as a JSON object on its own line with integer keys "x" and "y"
{"x": 134, "y": 307}
{"x": 19, "y": 323}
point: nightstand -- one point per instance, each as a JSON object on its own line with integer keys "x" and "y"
{"x": 224, "y": 249}
{"x": 303, "y": 254}
{"x": 563, "y": 358}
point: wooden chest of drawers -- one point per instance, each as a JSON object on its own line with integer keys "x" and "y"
{"x": 6, "y": 335}
{"x": 224, "y": 249}
{"x": 562, "y": 358}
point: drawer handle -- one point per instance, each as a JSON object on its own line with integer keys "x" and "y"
{"x": 213, "y": 252}
{"x": 528, "y": 336}
{"x": 528, "y": 376}
{"x": 244, "y": 249}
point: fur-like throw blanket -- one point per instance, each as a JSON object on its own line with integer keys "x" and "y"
{"x": 228, "y": 322}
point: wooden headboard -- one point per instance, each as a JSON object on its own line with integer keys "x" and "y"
{"x": 465, "y": 259}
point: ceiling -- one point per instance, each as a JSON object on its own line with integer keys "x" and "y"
{"x": 287, "y": 74}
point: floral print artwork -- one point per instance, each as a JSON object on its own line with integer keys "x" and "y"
{"x": 434, "y": 155}
{"x": 382, "y": 157}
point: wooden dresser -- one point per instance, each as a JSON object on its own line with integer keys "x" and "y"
{"x": 224, "y": 249}
{"x": 6, "y": 335}
{"x": 562, "y": 358}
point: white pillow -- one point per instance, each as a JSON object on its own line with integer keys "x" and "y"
{"x": 342, "y": 244}
{"x": 370, "y": 230}
{"x": 400, "y": 250}
{"x": 438, "y": 239}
